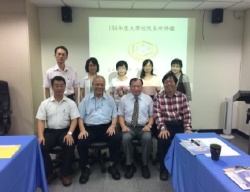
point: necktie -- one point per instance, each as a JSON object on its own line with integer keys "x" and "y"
{"x": 134, "y": 121}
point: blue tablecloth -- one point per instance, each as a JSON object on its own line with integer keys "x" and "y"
{"x": 24, "y": 171}
{"x": 200, "y": 173}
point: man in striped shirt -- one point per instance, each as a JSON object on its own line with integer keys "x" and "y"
{"x": 172, "y": 115}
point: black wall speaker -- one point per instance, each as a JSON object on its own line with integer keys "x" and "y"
{"x": 217, "y": 16}
{"x": 66, "y": 14}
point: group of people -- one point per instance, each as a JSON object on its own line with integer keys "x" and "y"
{"x": 134, "y": 105}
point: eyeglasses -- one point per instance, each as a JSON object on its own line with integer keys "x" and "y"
{"x": 169, "y": 82}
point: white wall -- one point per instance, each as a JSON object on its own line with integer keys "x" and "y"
{"x": 217, "y": 57}
{"x": 216, "y": 71}
{"x": 35, "y": 62}
{"x": 20, "y": 62}
{"x": 14, "y": 64}
{"x": 244, "y": 77}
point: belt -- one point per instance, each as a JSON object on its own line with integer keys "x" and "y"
{"x": 51, "y": 129}
{"x": 174, "y": 122}
{"x": 92, "y": 125}
{"x": 130, "y": 125}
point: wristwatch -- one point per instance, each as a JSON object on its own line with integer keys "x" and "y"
{"x": 70, "y": 133}
{"x": 163, "y": 128}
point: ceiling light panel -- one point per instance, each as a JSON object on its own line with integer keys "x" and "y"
{"x": 116, "y": 4}
{"x": 182, "y": 5}
{"x": 149, "y": 5}
{"x": 214, "y": 5}
{"x": 240, "y": 6}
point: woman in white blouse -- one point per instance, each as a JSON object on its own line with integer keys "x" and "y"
{"x": 119, "y": 85}
{"x": 92, "y": 68}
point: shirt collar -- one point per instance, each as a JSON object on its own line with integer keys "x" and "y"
{"x": 56, "y": 68}
{"x": 165, "y": 95}
{"x": 52, "y": 98}
{"x": 86, "y": 77}
{"x": 131, "y": 96}
{"x": 104, "y": 95}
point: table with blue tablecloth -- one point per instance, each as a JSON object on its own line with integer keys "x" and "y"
{"x": 24, "y": 171}
{"x": 199, "y": 173}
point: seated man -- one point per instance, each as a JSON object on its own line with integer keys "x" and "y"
{"x": 97, "y": 122}
{"x": 60, "y": 114}
{"x": 172, "y": 115}
{"x": 136, "y": 119}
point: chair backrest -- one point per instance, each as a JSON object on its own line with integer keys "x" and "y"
{"x": 4, "y": 96}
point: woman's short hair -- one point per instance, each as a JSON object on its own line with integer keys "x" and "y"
{"x": 94, "y": 61}
{"x": 121, "y": 63}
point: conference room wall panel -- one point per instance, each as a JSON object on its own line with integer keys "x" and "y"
{"x": 217, "y": 54}
{"x": 218, "y": 57}
{"x": 15, "y": 64}
{"x": 35, "y": 60}
{"x": 244, "y": 76}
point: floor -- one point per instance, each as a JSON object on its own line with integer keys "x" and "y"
{"x": 102, "y": 182}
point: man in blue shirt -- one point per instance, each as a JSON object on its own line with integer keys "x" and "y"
{"x": 98, "y": 118}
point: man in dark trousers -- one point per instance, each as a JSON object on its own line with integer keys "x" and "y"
{"x": 60, "y": 115}
{"x": 172, "y": 115}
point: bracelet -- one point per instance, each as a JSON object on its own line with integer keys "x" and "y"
{"x": 163, "y": 128}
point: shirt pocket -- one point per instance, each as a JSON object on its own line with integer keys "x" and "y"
{"x": 69, "y": 82}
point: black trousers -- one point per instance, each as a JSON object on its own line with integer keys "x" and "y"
{"x": 98, "y": 133}
{"x": 54, "y": 137}
{"x": 164, "y": 144}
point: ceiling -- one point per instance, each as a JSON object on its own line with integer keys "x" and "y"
{"x": 148, "y": 4}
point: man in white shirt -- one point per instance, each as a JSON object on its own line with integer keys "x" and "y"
{"x": 60, "y": 115}
{"x": 67, "y": 72}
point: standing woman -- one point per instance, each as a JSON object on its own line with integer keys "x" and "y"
{"x": 91, "y": 67}
{"x": 183, "y": 84}
{"x": 119, "y": 85}
{"x": 151, "y": 82}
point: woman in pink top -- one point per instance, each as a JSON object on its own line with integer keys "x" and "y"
{"x": 151, "y": 83}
